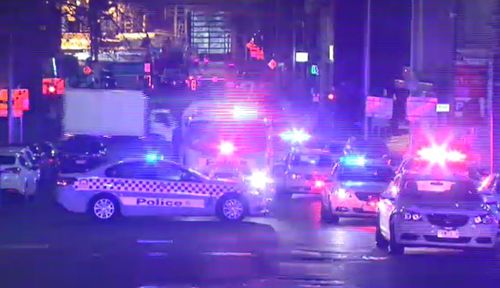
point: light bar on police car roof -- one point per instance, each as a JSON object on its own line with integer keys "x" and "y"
{"x": 440, "y": 155}
{"x": 153, "y": 157}
{"x": 354, "y": 160}
{"x": 226, "y": 148}
{"x": 295, "y": 136}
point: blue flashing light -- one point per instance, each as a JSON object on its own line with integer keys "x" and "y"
{"x": 354, "y": 161}
{"x": 153, "y": 157}
{"x": 295, "y": 136}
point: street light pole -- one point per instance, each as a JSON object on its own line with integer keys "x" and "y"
{"x": 367, "y": 65}
{"x": 10, "y": 93}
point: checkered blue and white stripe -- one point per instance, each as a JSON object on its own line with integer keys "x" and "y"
{"x": 154, "y": 186}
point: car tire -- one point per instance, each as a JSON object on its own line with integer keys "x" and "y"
{"x": 380, "y": 240}
{"x": 232, "y": 208}
{"x": 104, "y": 207}
{"x": 394, "y": 247}
{"x": 327, "y": 216}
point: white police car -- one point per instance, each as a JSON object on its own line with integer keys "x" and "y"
{"x": 355, "y": 188}
{"x": 435, "y": 210}
{"x": 153, "y": 186}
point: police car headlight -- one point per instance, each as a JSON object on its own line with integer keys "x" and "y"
{"x": 484, "y": 219}
{"x": 411, "y": 215}
{"x": 259, "y": 180}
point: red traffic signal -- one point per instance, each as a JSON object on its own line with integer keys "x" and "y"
{"x": 53, "y": 86}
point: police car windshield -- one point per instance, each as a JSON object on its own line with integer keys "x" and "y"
{"x": 318, "y": 160}
{"x": 365, "y": 173}
{"x": 247, "y": 136}
{"x": 439, "y": 191}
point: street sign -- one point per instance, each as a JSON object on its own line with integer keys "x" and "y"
{"x": 301, "y": 57}
{"x": 421, "y": 108}
{"x": 379, "y": 107}
{"x": 272, "y": 64}
{"x": 443, "y": 108}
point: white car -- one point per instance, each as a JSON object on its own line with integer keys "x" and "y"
{"x": 305, "y": 171}
{"x": 434, "y": 211}
{"x": 140, "y": 187}
{"x": 355, "y": 188}
{"x": 18, "y": 175}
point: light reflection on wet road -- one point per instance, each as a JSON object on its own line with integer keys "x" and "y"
{"x": 42, "y": 245}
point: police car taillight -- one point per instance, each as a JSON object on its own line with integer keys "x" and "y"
{"x": 65, "y": 181}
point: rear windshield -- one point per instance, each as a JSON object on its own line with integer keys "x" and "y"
{"x": 318, "y": 160}
{"x": 81, "y": 146}
{"x": 7, "y": 160}
{"x": 440, "y": 191}
{"x": 365, "y": 173}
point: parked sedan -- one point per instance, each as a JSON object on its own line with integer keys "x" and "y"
{"x": 81, "y": 153}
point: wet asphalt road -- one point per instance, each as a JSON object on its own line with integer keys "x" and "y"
{"x": 41, "y": 245}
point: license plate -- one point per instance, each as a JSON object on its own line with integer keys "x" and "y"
{"x": 453, "y": 234}
{"x": 81, "y": 161}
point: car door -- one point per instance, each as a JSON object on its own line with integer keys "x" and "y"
{"x": 187, "y": 192}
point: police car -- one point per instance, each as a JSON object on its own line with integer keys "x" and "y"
{"x": 305, "y": 171}
{"x": 153, "y": 186}
{"x": 434, "y": 210}
{"x": 356, "y": 185}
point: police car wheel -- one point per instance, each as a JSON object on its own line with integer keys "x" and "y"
{"x": 104, "y": 208}
{"x": 394, "y": 247}
{"x": 380, "y": 240}
{"x": 231, "y": 208}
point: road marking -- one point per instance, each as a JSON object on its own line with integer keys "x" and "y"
{"x": 154, "y": 241}
{"x": 234, "y": 254}
{"x": 24, "y": 246}
{"x": 157, "y": 254}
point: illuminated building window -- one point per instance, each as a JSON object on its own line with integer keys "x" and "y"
{"x": 209, "y": 33}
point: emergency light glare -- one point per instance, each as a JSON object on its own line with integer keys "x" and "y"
{"x": 440, "y": 155}
{"x": 153, "y": 157}
{"x": 295, "y": 136}
{"x": 226, "y": 148}
{"x": 244, "y": 113}
{"x": 354, "y": 161}
{"x": 318, "y": 184}
{"x": 259, "y": 180}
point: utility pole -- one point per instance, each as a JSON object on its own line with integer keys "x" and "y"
{"x": 367, "y": 66}
{"x": 495, "y": 107}
{"x": 10, "y": 92}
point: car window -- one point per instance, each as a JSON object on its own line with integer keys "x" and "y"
{"x": 312, "y": 160}
{"x": 125, "y": 170}
{"x": 169, "y": 172}
{"x": 24, "y": 162}
{"x": 439, "y": 191}
{"x": 7, "y": 160}
{"x": 365, "y": 173}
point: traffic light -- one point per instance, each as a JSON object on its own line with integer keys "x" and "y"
{"x": 53, "y": 86}
{"x": 314, "y": 70}
{"x": 331, "y": 96}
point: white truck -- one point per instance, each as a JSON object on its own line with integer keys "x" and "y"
{"x": 98, "y": 112}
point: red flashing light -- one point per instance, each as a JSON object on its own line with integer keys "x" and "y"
{"x": 87, "y": 70}
{"x": 319, "y": 184}
{"x": 53, "y": 86}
